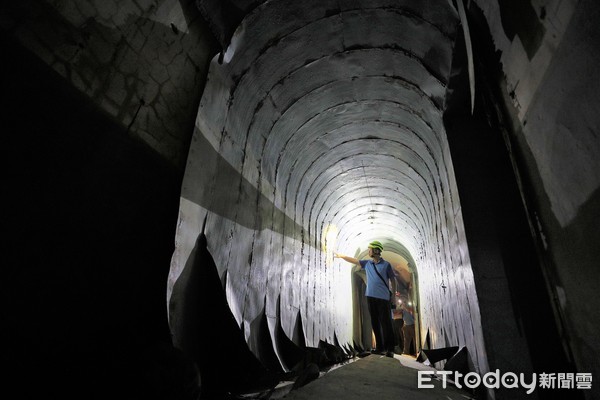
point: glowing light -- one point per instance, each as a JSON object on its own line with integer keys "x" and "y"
{"x": 328, "y": 242}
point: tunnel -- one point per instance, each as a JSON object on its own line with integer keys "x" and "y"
{"x": 181, "y": 174}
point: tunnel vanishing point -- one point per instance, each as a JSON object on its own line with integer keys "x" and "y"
{"x": 181, "y": 172}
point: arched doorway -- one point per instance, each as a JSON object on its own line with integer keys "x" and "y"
{"x": 404, "y": 267}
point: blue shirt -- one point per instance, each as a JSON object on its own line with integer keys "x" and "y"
{"x": 408, "y": 318}
{"x": 375, "y": 286}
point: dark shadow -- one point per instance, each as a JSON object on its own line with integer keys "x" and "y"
{"x": 333, "y": 354}
{"x": 462, "y": 364}
{"x": 358, "y": 348}
{"x": 498, "y": 207}
{"x": 444, "y": 353}
{"x": 223, "y": 17}
{"x": 308, "y": 374}
{"x": 360, "y": 352}
{"x": 290, "y": 353}
{"x": 249, "y": 201}
{"x": 90, "y": 216}
{"x": 205, "y": 329}
{"x": 427, "y": 340}
{"x": 264, "y": 342}
{"x": 421, "y": 357}
{"x": 520, "y": 19}
{"x": 224, "y": 280}
{"x": 298, "y": 337}
{"x": 349, "y": 350}
{"x": 459, "y": 362}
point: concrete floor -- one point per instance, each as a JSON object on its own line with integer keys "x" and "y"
{"x": 376, "y": 377}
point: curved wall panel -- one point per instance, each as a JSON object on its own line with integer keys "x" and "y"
{"x": 320, "y": 130}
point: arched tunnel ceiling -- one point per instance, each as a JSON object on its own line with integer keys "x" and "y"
{"x": 335, "y": 109}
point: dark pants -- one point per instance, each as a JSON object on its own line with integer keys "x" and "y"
{"x": 381, "y": 321}
{"x": 398, "y": 335}
{"x": 409, "y": 337}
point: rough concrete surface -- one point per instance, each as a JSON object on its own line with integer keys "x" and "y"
{"x": 376, "y": 377}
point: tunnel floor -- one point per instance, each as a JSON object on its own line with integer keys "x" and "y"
{"x": 375, "y": 377}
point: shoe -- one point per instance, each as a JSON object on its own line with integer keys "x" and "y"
{"x": 375, "y": 351}
{"x": 390, "y": 354}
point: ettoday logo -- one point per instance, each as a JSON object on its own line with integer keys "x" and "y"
{"x": 509, "y": 380}
{"x": 472, "y": 380}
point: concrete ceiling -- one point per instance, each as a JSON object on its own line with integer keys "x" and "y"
{"x": 335, "y": 108}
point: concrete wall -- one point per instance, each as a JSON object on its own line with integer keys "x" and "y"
{"x": 550, "y": 66}
{"x": 143, "y": 62}
{"x": 92, "y": 190}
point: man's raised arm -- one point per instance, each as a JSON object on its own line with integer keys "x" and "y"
{"x": 347, "y": 258}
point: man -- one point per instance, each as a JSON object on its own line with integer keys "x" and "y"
{"x": 378, "y": 294}
{"x": 408, "y": 329}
